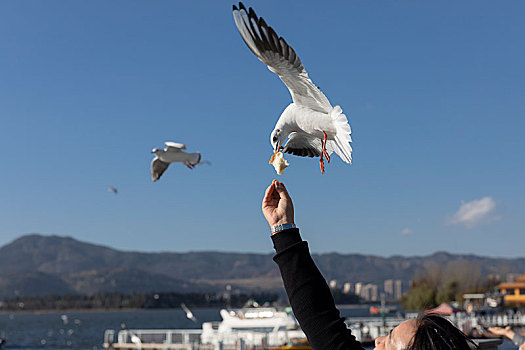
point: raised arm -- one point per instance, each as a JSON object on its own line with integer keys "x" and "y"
{"x": 307, "y": 290}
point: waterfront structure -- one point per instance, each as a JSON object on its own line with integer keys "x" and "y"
{"x": 514, "y": 292}
{"x": 268, "y": 328}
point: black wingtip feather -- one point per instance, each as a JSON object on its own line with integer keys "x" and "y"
{"x": 262, "y": 22}
{"x": 268, "y": 40}
{"x": 252, "y": 22}
{"x": 301, "y": 152}
{"x": 267, "y": 34}
{"x": 284, "y": 45}
{"x": 275, "y": 39}
{"x": 252, "y": 14}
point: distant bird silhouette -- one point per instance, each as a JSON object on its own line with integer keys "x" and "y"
{"x": 112, "y": 189}
{"x": 188, "y": 312}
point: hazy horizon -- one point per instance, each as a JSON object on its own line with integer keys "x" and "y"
{"x": 255, "y": 252}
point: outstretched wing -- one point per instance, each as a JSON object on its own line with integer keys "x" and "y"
{"x": 280, "y": 59}
{"x": 304, "y": 145}
{"x": 158, "y": 167}
{"x": 175, "y": 146}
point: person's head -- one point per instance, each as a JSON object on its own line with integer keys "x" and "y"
{"x": 427, "y": 332}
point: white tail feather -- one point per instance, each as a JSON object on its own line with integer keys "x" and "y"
{"x": 341, "y": 144}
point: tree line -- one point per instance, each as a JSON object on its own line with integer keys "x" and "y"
{"x": 116, "y": 300}
{"x": 152, "y": 300}
{"x": 436, "y": 283}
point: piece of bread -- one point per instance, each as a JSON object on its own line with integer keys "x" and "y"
{"x": 279, "y": 163}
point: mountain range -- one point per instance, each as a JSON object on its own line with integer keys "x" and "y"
{"x": 35, "y": 265}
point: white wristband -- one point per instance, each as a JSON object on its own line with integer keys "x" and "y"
{"x": 282, "y": 227}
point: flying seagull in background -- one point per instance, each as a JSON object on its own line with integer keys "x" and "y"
{"x": 172, "y": 153}
{"x": 112, "y": 189}
{"x": 188, "y": 312}
{"x": 314, "y": 128}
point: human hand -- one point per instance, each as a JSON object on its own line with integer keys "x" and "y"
{"x": 506, "y": 332}
{"x": 277, "y": 205}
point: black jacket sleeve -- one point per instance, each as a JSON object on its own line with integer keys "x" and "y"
{"x": 309, "y": 295}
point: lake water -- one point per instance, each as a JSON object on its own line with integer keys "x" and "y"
{"x": 85, "y": 330}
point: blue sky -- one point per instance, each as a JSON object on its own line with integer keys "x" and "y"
{"x": 434, "y": 92}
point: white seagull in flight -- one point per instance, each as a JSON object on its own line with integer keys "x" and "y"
{"x": 314, "y": 128}
{"x": 172, "y": 153}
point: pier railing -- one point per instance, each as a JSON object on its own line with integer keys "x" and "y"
{"x": 469, "y": 323}
{"x": 190, "y": 339}
{"x": 365, "y": 329}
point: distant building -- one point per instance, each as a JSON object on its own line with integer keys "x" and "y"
{"x": 398, "y": 289}
{"x": 370, "y": 292}
{"x": 514, "y": 291}
{"x": 393, "y": 289}
{"x": 374, "y": 292}
{"x": 365, "y": 292}
{"x": 347, "y": 288}
{"x": 358, "y": 287}
{"x": 389, "y": 289}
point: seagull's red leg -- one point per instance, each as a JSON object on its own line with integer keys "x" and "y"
{"x": 326, "y": 155}
{"x": 321, "y": 162}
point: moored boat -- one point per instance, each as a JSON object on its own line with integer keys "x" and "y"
{"x": 246, "y": 328}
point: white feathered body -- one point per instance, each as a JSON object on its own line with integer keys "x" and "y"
{"x": 303, "y": 119}
{"x": 179, "y": 156}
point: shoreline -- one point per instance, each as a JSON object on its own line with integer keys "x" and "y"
{"x": 49, "y": 311}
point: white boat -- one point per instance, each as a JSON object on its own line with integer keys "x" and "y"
{"x": 254, "y": 326}
{"x": 260, "y": 327}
